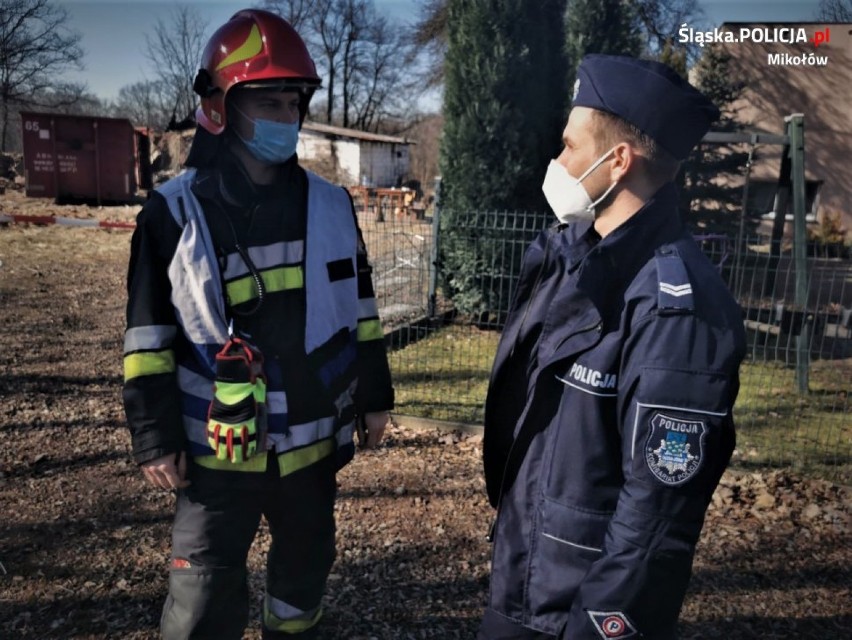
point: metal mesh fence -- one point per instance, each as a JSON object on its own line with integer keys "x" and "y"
{"x": 399, "y": 247}
{"x": 441, "y": 360}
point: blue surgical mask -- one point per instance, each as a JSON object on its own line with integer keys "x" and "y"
{"x": 273, "y": 142}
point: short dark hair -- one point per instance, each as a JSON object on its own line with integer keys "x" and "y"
{"x": 660, "y": 165}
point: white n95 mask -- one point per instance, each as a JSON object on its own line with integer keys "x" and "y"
{"x": 567, "y": 196}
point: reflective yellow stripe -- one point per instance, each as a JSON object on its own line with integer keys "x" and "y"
{"x": 289, "y": 626}
{"x": 280, "y": 279}
{"x": 248, "y": 49}
{"x": 148, "y": 363}
{"x": 284, "y": 278}
{"x": 288, "y": 462}
{"x": 255, "y": 464}
{"x": 369, "y": 330}
{"x": 291, "y": 461}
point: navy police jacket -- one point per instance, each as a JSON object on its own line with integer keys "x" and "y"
{"x": 608, "y": 425}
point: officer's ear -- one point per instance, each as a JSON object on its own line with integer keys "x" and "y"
{"x": 624, "y": 158}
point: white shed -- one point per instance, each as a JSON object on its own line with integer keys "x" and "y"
{"x": 355, "y": 157}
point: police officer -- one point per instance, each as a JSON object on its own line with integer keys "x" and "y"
{"x": 248, "y": 240}
{"x": 608, "y": 419}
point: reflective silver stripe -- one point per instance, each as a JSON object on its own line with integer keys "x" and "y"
{"x": 332, "y": 235}
{"x": 308, "y": 433}
{"x": 276, "y": 401}
{"x": 194, "y": 384}
{"x": 286, "y": 611}
{"x": 193, "y": 271}
{"x": 367, "y": 308}
{"x": 199, "y": 386}
{"x": 300, "y": 435}
{"x": 344, "y": 436}
{"x": 345, "y": 399}
{"x": 154, "y": 337}
{"x": 196, "y": 432}
{"x": 265, "y": 257}
{"x": 571, "y": 544}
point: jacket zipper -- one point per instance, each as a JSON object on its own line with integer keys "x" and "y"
{"x": 532, "y": 295}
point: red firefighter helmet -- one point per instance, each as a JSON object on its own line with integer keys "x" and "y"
{"x": 254, "y": 48}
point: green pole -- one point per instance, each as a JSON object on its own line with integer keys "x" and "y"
{"x": 796, "y": 132}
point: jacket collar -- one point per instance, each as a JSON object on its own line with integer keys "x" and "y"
{"x": 607, "y": 266}
{"x": 228, "y": 182}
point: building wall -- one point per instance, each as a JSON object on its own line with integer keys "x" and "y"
{"x": 338, "y": 160}
{"x": 822, "y": 93}
{"x": 350, "y": 161}
{"x": 384, "y": 164}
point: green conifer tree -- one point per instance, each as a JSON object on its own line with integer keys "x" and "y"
{"x": 600, "y": 26}
{"x": 505, "y": 99}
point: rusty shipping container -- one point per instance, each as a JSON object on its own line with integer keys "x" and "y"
{"x": 84, "y": 158}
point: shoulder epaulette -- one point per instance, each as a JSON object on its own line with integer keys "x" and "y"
{"x": 675, "y": 290}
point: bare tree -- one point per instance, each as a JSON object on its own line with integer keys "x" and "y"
{"x": 835, "y": 11}
{"x": 175, "y": 52}
{"x": 385, "y": 91}
{"x": 145, "y": 103}
{"x": 361, "y": 55}
{"x": 329, "y": 26}
{"x": 72, "y": 98}
{"x": 357, "y": 15}
{"x": 428, "y": 38}
{"x": 321, "y": 26}
{"x": 36, "y": 49}
{"x": 660, "y": 21}
{"x": 297, "y": 12}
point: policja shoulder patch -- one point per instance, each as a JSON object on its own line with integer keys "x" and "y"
{"x": 674, "y": 449}
{"x": 612, "y": 624}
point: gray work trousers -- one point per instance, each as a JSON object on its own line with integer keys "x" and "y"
{"x": 216, "y": 520}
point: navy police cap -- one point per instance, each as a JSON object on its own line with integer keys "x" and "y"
{"x": 648, "y": 95}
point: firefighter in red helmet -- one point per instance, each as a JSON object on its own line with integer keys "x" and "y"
{"x": 253, "y": 346}
{"x": 255, "y": 49}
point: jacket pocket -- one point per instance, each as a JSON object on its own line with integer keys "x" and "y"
{"x": 701, "y": 391}
{"x": 568, "y": 541}
{"x": 582, "y": 463}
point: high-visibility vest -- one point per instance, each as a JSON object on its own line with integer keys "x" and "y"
{"x": 333, "y": 310}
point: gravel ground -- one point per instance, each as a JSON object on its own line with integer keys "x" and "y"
{"x": 84, "y": 542}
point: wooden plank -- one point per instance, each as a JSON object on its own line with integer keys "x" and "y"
{"x": 763, "y": 327}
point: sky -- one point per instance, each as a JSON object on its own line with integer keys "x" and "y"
{"x": 113, "y": 31}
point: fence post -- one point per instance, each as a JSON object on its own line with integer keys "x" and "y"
{"x": 796, "y": 132}
{"x": 433, "y": 260}
{"x": 737, "y": 278}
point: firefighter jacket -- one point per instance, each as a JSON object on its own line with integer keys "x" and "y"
{"x": 317, "y": 324}
{"x": 608, "y": 425}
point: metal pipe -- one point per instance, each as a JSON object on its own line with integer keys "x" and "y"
{"x": 740, "y": 250}
{"x": 433, "y": 262}
{"x": 796, "y": 132}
